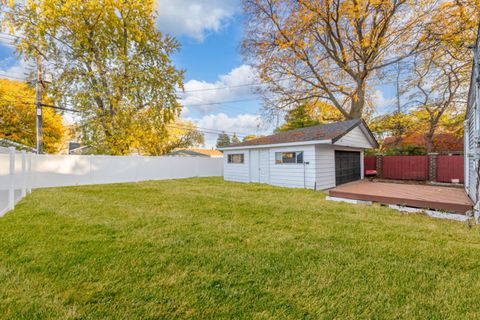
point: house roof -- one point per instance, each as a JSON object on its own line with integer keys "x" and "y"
{"x": 195, "y": 152}
{"x": 4, "y": 142}
{"x": 330, "y": 131}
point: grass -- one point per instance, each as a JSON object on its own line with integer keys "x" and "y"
{"x": 209, "y": 249}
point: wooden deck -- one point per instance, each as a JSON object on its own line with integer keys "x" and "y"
{"x": 420, "y": 196}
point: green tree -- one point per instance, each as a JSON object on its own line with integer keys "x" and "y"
{"x": 235, "y": 139}
{"x": 309, "y": 114}
{"x": 110, "y": 62}
{"x": 223, "y": 140}
{"x": 299, "y": 117}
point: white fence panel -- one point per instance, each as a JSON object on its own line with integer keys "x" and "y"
{"x": 42, "y": 171}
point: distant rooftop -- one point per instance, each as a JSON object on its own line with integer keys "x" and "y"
{"x": 195, "y": 152}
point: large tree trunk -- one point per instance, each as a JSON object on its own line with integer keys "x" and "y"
{"x": 429, "y": 137}
{"x": 358, "y": 101}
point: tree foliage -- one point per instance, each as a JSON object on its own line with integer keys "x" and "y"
{"x": 440, "y": 77}
{"x": 110, "y": 62}
{"x": 223, "y": 140}
{"x": 328, "y": 49}
{"x": 407, "y": 133}
{"x": 17, "y": 117}
{"x": 310, "y": 114}
{"x": 235, "y": 139}
{"x": 249, "y": 137}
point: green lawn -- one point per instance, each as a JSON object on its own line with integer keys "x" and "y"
{"x": 209, "y": 249}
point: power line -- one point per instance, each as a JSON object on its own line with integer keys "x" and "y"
{"x": 43, "y": 105}
{"x": 59, "y": 108}
{"x": 222, "y": 88}
{"x": 10, "y": 35}
{"x": 208, "y": 130}
{"x": 3, "y": 75}
{"x": 220, "y": 102}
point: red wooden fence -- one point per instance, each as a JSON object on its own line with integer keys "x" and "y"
{"x": 450, "y": 167}
{"x": 447, "y": 168}
{"x": 370, "y": 163}
{"x": 405, "y": 167}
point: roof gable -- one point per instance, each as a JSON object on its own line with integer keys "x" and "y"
{"x": 356, "y": 137}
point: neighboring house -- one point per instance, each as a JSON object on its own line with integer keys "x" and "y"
{"x": 75, "y": 148}
{"x": 19, "y": 146}
{"x": 210, "y": 153}
{"x": 317, "y": 157}
{"x": 472, "y": 131}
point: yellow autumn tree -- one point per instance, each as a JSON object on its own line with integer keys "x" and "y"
{"x": 17, "y": 117}
{"x": 110, "y": 62}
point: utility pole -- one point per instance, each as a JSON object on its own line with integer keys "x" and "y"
{"x": 38, "y": 104}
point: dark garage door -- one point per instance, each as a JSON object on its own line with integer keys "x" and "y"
{"x": 347, "y": 166}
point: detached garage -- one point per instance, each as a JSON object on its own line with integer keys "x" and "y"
{"x": 317, "y": 157}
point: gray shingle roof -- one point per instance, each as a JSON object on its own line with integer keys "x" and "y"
{"x": 329, "y": 131}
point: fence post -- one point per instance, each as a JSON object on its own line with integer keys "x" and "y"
{"x": 432, "y": 167}
{"x": 378, "y": 164}
{"x": 29, "y": 173}
{"x": 24, "y": 173}
{"x": 11, "y": 187}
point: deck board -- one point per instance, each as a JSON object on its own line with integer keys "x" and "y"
{"x": 419, "y": 196}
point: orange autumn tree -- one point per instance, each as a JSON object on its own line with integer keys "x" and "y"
{"x": 17, "y": 117}
{"x": 330, "y": 50}
{"x": 406, "y": 130}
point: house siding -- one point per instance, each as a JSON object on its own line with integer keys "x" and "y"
{"x": 471, "y": 134}
{"x": 293, "y": 175}
{"x": 317, "y": 171}
{"x": 325, "y": 164}
{"x": 235, "y": 171}
{"x": 355, "y": 138}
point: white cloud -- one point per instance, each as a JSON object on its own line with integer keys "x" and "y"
{"x": 194, "y": 18}
{"x": 5, "y": 41}
{"x": 242, "y": 124}
{"x": 380, "y": 101}
{"x": 17, "y": 71}
{"x": 232, "y": 86}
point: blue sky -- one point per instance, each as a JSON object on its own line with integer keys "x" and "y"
{"x": 210, "y": 32}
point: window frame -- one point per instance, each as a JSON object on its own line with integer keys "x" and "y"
{"x": 231, "y": 155}
{"x": 297, "y": 153}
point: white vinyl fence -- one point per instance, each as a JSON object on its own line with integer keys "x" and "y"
{"x": 20, "y": 171}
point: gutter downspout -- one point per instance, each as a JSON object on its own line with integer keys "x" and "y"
{"x": 466, "y": 157}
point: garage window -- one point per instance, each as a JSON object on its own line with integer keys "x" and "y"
{"x": 289, "y": 157}
{"x": 235, "y": 158}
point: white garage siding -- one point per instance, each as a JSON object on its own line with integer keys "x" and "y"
{"x": 293, "y": 175}
{"x": 325, "y": 165}
{"x": 356, "y": 137}
{"x": 318, "y": 168}
{"x": 236, "y": 171}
